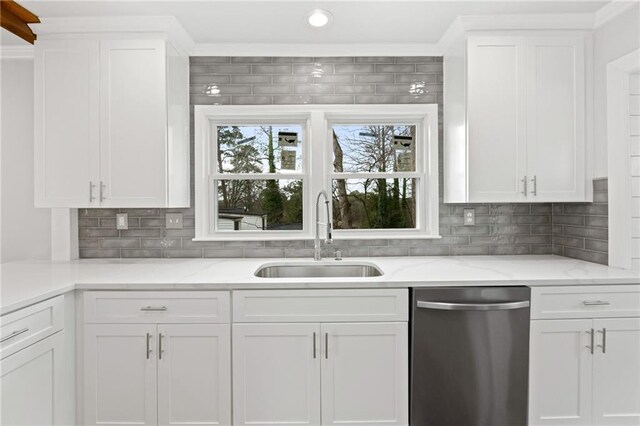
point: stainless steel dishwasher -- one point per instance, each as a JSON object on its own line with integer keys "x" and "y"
{"x": 469, "y": 356}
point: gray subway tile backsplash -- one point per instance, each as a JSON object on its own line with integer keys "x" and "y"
{"x": 574, "y": 230}
{"x": 580, "y": 230}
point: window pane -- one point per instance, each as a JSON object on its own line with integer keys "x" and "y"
{"x": 258, "y": 205}
{"x": 374, "y": 203}
{"x": 260, "y": 149}
{"x": 374, "y": 148}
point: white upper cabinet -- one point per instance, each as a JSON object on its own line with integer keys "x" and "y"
{"x": 66, "y": 117}
{"x": 515, "y": 128}
{"x": 556, "y": 119}
{"x": 496, "y": 118}
{"x": 111, "y": 124}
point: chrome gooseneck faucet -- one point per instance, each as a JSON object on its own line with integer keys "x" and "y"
{"x": 317, "y": 248}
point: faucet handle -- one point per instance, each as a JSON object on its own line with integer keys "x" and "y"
{"x": 338, "y": 255}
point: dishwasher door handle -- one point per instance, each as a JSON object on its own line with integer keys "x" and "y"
{"x": 472, "y": 306}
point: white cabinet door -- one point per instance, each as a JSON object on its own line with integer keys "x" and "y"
{"x": 556, "y": 118}
{"x": 560, "y": 372}
{"x": 66, "y": 123}
{"x": 30, "y": 384}
{"x": 276, "y": 374}
{"x": 133, "y": 123}
{"x": 120, "y": 374}
{"x": 194, "y": 374}
{"x": 496, "y": 114}
{"x": 365, "y": 373}
{"x": 616, "y": 380}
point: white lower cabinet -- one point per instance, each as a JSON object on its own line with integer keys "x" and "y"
{"x": 149, "y": 374}
{"x": 157, "y": 373}
{"x": 585, "y": 371}
{"x": 560, "y": 376}
{"x": 317, "y": 372}
{"x": 31, "y": 384}
{"x": 120, "y": 374}
{"x": 616, "y": 372}
{"x": 194, "y": 374}
{"x": 276, "y": 374}
{"x": 364, "y": 373}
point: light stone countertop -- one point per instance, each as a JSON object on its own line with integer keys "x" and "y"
{"x": 27, "y": 282}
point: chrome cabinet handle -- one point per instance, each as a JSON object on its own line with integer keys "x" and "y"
{"x": 101, "y": 191}
{"x": 604, "y": 340}
{"x": 153, "y": 308}
{"x": 91, "y": 186}
{"x": 14, "y": 334}
{"x": 148, "y": 345}
{"x": 326, "y": 345}
{"x": 160, "y": 350}
{"x": 473, "y": 306}
{"x": 591, "y": 338}
{"x": 595, "y": 303}
{"x": 534, "y": 180}
{"x": 314, "y": 345}
{"x": 524, "y": 182}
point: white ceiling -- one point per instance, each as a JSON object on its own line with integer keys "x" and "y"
{"x": 269, "y": 21}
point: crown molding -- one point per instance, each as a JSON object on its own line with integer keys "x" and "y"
{"x": 564, "y": 21}
{"x": 558, "y": 22}
{"x": 162, "y": 25}
{"x": 16, "y": 52}
{"x": 169, "y": 27}
{"x": 315, "y": 50}
{"x": 610, "y": 11}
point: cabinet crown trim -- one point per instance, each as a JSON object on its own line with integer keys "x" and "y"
{"x": 107, "y": 26}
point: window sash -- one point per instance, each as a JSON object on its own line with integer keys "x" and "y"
{"x": 317, "y": 163}
{"x": 296, "y": 120}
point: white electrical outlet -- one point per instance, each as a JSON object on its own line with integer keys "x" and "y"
{"x": 469, "y": 217}
{"x": 122, "y": 221}
{"x": 174, "y": 221}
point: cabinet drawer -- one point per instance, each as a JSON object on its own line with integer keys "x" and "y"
{"x": 31, "y": 324}
{"x": 320, "y": 305}
{"x": 156, "y": 307}
{"x": 585, "y": 301}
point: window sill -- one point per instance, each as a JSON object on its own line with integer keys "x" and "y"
{"x": 349, "y": 237}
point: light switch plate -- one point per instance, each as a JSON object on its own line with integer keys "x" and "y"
{"x": 469, "y": 217}
{"x": 174, "y": 221}
{"x": 122, "y": 221}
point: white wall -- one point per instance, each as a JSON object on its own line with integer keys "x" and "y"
{"x": 26, "y": 231}
{"x": 611, "y": 41}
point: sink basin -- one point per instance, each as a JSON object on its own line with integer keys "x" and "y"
{"x": 318, "y": 270}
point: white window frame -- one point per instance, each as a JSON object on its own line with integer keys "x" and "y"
{"x": 317, "y": 163}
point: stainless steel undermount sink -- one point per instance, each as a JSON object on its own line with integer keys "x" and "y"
{"x": 319, "y": 270}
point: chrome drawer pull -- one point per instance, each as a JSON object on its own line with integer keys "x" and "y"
{"x": 591, "y": 338}
{"x": 473, "y": 306}
{"x": 14, "y": 334}
{"x": 160, "y": 350}
{"x": 595, "y": 303}
{"x": 535, "y": 185}
{"x": 153, "y": 308}
{"x": 314, "y": 345}
{"x": 148, "y": 345}
{"x": 604, "y": 340}
{"x": 326, "y": 345}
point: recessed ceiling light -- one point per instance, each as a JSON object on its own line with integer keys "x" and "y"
{"x": 319, "y": 18}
